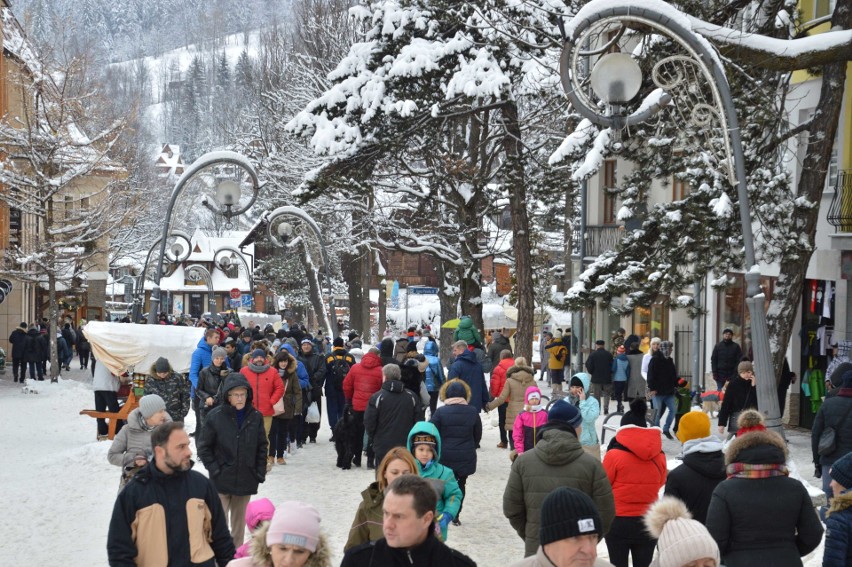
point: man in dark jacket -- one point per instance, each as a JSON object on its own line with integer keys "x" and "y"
{"x": 337, "y": 366}
{"x": 315, "y": 365}
{"x": 235, "y": 359}
{"x": 703, "y": 465}
{"x": 18, "y": 340}
{"x": 498, "y": 344}
{"x": 409, "y": 517}
{"x": 835, "y": 412}
{"x": 33, "y": 352}
{"x": 233, "y": 447}
{"x": 470, "y": 371}
{"x": 138, "y": 535}
{"x": 386, "y": 350}
{"x": 741, "y": 394}
{"x": 726, "y": 355}
{"x": 662, "y": 381}
{"x": 557, "y": 460}
{"x": 599, "y": 365}
{"x": 390, "y": 414}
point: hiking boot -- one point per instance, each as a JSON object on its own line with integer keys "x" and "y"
{"x": 501, "y": 445}
{"x": 103, "y": 437}
{"x": 269, "y": 460}
{"x": 281, "y": 461}
{"x": 456, "y": 522}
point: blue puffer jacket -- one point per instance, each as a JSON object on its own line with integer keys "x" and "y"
{"x": 838, "y": 532}
{"x": 202, "y": 356}
{"x": 301, "y": 371}
{"x": 468, "y": 369}
{"x": 435, "y": 371}
{"x": 460, "y": 428}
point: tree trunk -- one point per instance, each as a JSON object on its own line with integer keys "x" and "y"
{"x": 520, "y": 230}
{"x": 352, "y": 276}
{"x": 449, "y": 305}
{"x": 788, "y": 287}
{"x": 366, "y": 265}
{"x": 315, "y": 291}
{"x": 52, "y": 314}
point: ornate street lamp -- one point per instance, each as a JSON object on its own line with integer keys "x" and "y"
{"x": 281, "y": 233}
{"x": 196, "y": 273}
{"x": 224, "y": 263}
{"x": 615, "y": 80}
{"x": 233, "y": 180}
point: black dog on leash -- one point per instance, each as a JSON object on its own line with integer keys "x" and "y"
{"x": 345, "y": 434}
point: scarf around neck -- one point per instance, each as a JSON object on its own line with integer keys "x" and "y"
{"x": 745, "y": 470}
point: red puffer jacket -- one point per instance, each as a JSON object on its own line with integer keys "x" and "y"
{"x": 363, "y": 380}
{"x": 636, "y": 467}
{"x": 266, "y": 388}
{"x": 498, "y": 377}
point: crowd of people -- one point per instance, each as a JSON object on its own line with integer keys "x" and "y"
{"x": 256, "y": 395}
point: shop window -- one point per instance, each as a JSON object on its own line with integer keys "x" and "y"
{"x": 652, "y": 321}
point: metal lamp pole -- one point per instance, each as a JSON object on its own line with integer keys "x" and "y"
{"x": 227, "y": 195}
{"x": 196, "y": 272}
{"x": 598, "y": 17}
{"x": 280, "y": 240}
{"x": 244, "y": 262}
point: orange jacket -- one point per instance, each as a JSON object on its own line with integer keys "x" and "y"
{"x": 636, "y": 467}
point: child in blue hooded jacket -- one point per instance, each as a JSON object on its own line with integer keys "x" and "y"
{"x": 589, "y": 408}
{"x": 424, "y": 442}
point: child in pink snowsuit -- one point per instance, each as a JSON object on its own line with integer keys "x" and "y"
{"x": 529, "y": 421}
{"x": 257, "y": 512}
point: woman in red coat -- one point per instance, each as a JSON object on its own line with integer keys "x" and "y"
{"x": 636, "y": 467}
{"x": 362, "y": 381}
{"x": 266, "y": 385}
{"x": 498, "y": 380}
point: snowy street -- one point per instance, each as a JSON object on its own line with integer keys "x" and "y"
{"x": 59, "y": 488}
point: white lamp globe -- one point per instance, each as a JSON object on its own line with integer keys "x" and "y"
{"x": 616, "y": 78}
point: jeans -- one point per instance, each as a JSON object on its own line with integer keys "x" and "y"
{"x": 84, "y": 357}
{"x": 660, "y": 403}
{"x": 618, "y": 388}
{"x": 359, "y": 440}
{"x": 106, "y": 400}
{"x": 278, "y": 436}
{"x": 35, "y": 370}
{"x": 334, "y": 402}
{"x": 433, "y": 402}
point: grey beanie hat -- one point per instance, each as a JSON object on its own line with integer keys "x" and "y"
{"x": 151, "y": 404}
{"x": 219, "y": 352}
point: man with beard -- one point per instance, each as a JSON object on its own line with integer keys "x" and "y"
{"x": 160, "y": 516}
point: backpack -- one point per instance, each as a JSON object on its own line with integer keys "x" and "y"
{"x": 338, "y": 368}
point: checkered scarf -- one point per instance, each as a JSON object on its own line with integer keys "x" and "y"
{"x": 745, "y": 470}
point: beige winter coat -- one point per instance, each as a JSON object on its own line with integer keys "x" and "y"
{"x": 518, "y": 379}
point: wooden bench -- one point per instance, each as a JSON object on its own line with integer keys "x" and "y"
{"x": 115, "y": 416}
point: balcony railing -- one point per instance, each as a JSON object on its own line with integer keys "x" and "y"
{"x": 840, "y": 210}
{"x": 599, "y": 239}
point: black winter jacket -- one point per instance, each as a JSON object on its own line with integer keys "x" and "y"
{"x": 461, "y": 431}
{"x": 18, "y": 339}
{"x": 762, "y": 521}
{"x": 830, "y": 414}
{"x": 315, "y": 365}
{"x": 599, "y": 365}
{"x": 662, "y": 375}
{"x": 135, "y": 518}
{"x": 210, "y": 381}
{"x": 33, "y": 348}
{"x": 234, "y": 456}
{"x": 702, "y": 470}
{"x": 739, "y": 395}
{"x": 725, "y": 358}
{"x": 428, "y": 554}
{"x": 391, "y": 413}
{"x": 499, "y": 343}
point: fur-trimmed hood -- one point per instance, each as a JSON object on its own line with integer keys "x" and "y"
{"x": 757, "y": 447}
{"x": 261, "y": 556}
{"x": 443, "y": 391}
{"x": 842, "y": 502}
{"x": 522, "y": 374}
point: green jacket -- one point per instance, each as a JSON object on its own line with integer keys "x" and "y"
{"x": 557, "y": 460}
{"x": 367, "y": 525}
{"x": 442, "y": 478}
{"x": 467, "y": 332}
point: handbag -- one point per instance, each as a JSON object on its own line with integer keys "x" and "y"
{"x": 828, "y": 439}
{"x": 313, "y": 415}
{"x": 278, "y": 407}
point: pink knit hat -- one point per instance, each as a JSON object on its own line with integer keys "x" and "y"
{"x": 258, "y": 511}
{"x": 532, "y": 390}
{"x": 294, "y": 523}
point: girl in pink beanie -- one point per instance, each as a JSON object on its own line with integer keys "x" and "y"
{"x": 258, "y": 514}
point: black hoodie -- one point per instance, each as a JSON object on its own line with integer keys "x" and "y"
{"x": 694, "y": 481}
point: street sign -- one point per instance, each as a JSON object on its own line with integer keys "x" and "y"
{"x": 235, "y": 293}
{"x": 423, "y": 290}
{"x": 246, "y": 301}
{"x": 234, "y": 303}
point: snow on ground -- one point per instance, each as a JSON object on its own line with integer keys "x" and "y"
{"x": 59, "y": 488}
